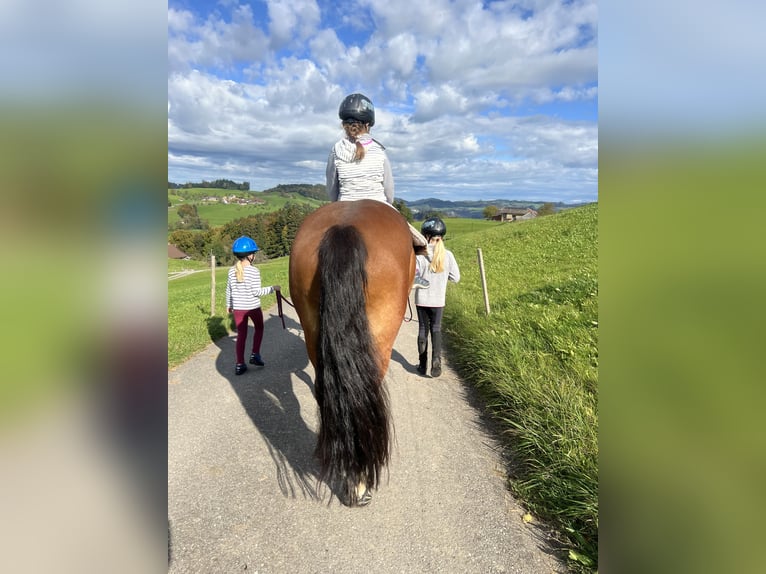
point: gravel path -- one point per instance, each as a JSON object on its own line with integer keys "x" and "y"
{"x": 242, "y": 488}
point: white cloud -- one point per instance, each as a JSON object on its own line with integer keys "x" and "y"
{"x": 431, "y": 103}
{"x": 403, "y": 50}
{"x": 179, "y": 20}
{"x": 215, "y": 42}
{"x": 292, "y": 20}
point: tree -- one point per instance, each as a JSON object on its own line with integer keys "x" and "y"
{"x": 187, "y": 210}
{"x": 191, "y": 243}
{"x": 490, "y": 211}
{"x": 403, "y": 209}
{"x": 546, "y": 208}
{"x": 273, "y": 232}
{"x": 189, "y": 218}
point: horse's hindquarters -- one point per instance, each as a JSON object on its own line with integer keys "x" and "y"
{"x": 351, "y": 269}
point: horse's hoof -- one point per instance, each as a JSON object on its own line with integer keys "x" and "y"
{"x": 365, "y": 499}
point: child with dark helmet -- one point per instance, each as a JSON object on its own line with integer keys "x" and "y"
{"x": 438, "y": 267}
{"x": 358, "y": 167}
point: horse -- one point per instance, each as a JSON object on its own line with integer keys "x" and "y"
{"x": 351, "y": 269}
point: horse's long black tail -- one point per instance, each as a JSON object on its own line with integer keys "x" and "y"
{"x": 353, "y": 444}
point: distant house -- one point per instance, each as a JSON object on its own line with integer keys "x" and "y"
{"x": 175, "y": 253}
{"x": 514, "y": 214}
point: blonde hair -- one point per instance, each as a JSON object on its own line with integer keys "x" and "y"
{"x": 239, "y": 268}
{"x": 437, "y": 261}
{"x": 353, "y": 131}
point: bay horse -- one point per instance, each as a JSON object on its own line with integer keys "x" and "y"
{"x": 351, "y": 269}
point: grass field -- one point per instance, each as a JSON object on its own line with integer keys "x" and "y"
{"x": 217, "y": 214}
{"x": 188, "y": 264}
{"x": 459, "y": 228}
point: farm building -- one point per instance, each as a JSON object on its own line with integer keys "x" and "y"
{"x": 175, "y": 253}
{"x": 514, "y": 214}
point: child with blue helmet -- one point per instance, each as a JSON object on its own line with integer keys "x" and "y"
{"x": 243, "y": 299}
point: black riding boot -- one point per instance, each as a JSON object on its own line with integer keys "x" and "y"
{"x": 422, "y": 355}
{"x": 436, "y": 354}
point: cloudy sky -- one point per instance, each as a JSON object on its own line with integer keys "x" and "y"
{"x": 474, "y": 100}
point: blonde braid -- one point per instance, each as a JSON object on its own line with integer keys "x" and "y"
{"x": 240, "y": 271}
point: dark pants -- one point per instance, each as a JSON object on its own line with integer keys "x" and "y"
{"x": 240, "y": 320}
{"x": 430, "y": 319}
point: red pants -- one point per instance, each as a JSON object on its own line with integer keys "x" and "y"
{"x": 240, "y": 320}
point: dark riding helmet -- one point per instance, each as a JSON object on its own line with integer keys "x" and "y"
{"x": 243, "y": 246}
{"x": 357, "y": 107}
{"x": 432, "y": 227}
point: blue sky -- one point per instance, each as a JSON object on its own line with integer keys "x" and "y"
{"x": 474, "y": 100}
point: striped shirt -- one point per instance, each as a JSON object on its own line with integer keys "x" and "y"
{"x": 246, "y": 295}
{"x": 349, "y": 180}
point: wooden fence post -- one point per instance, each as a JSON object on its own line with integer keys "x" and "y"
{"x": 212, "y": 285}
{"x": 483, "y": 281}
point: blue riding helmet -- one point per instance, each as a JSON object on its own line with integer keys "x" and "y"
{"x": 244, "y": 246}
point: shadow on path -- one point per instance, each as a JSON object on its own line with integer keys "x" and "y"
{"x": 269, "y": 398}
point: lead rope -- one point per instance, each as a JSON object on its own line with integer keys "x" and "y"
{"x": 409, "y": 306}
{"x": 280, "y": 298}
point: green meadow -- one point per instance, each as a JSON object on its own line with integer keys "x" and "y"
{"x": 534, "y": 358}
{"x": 217, "y": 214}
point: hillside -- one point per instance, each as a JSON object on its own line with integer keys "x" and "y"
{"x": 475, "y": 209}
{"x": 220, "y": 206}
{"x": 211, "y": 203}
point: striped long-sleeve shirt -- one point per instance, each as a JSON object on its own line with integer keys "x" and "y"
{"x": 246, "y": 295}
{"x": 370, "y": 178}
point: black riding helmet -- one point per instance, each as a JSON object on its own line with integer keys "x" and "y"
{"x": 432, "y": 227}
{"x": 357, "y": 107}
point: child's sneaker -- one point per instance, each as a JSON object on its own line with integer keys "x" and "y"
{"x": 240, "y": 368}
{"x": 420, "y": 283}
{"x": 255, "y": 359}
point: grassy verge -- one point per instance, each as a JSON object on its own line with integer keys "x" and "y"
{"x": 535, "y": 360}
{"x": 190, "y": 326}
{"x": 175, "y": 265}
